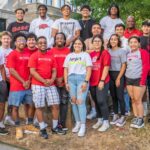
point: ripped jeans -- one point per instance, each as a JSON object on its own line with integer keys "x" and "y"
{"x": 75, "y": 82}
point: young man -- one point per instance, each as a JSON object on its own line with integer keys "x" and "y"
{"x": 131, "y": 30}
{"x": 119, "y": 30}
{"x": 145, "y": 45}
{"x": 31, "y": 48}
{"x": 43, "y": 70}
{"x": 109, "y": 22}
{"x": 20, "y": 91}
{"x": 6, "y": 39}
{"x": 60, "y": 52}
{"x": 19, "y": 25}
{"x": 3, "y": 94}
{"x": 42, "y": 25}
{"x": 86, "y": 22}
{"x": 70, "y": 27}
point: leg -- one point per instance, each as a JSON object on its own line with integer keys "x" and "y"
{"x": 55, "y": 115}
{"x": 120, "y": 96}
{"x": 2, "y": 110}
{"x": 94, "y": 97}
{"x": 138, "y": 93}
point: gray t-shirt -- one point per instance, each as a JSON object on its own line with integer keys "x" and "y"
{"x": 118, "y": 57}
{"x": 134, "y": 65}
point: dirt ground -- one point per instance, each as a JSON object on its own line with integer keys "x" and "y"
{"x": 115, "y": 138}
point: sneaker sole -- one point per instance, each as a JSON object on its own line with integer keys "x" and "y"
{"x": 103, "y": 130}
{"x": 4, "y": 133}
{"x": 138, "y": 127}
{"x": 58, "y": 133}
{"x": 120, "y": 125}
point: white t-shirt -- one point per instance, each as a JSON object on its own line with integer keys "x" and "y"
{"x": 108, "y": 24}
{"x": 68, "y": 27}
{"x": 42, "y": 27}
{"x": 6, "y": 52}
{"x": 124, "y": 44}
{"x": 77, "y": 63}
{"x": 1, "y": 63}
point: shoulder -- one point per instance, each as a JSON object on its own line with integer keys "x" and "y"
{"x": 35, "y": 20}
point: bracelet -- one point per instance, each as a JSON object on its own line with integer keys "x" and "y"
{"x": 86, "y": 81}
{"x": 102, "y": 80}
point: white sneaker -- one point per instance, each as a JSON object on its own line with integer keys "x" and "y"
{"x": 2, "y": 125}
{"x": 82, "y": 130}
{"x": 98, "y": 123}
{"x": 105, "y": 126}
{"x": 121, "y": 122}
{"x": 8, "y": 121}
{"x": 91, "y": 115}
{"x": 115, "y": 119}
{"x": 77, "y": 127}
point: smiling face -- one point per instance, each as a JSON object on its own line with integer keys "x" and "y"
{"x": 60, "y": 41}
{"x": 130, "y": 22}
{"x": 20, "y": 15}
{"x": 6, "y": 41}
{"x": 20, "y": 43}
{"x": 134, "y": 44}
{"x": 114, "y": 42}
{"x": 97, "y": 43}
{"x": 66, "y": 11}
{"x": 146, "y": 29}
{"x": 85, "y": 13}
{"x": 42, "y": 11}
{"x": 31, "y": 43}
{"x": 42, "y": 44}
{"x": 96, "y": 29}
{"x": 78, "y": 46}
{"x": 119, "y": 31}
{"x": 113, "y": 11}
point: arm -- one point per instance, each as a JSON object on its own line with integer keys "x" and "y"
{"x": 54, "y": 31}
{"x": 54, "y": 73}
{"x": 121, "y": 73}
{"x": 66, "y": 78}
{"x": 3, "y": 73}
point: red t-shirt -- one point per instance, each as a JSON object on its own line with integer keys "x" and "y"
{"x": 18, "y": 61}
{"x": 98, "y": 66}
{"x": 134, "y": 32}
{"x": 43, "y": 63}
{"x": 60, "y": 55}
{"x": 31, "y": 51}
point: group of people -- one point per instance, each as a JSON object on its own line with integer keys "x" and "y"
{"x": 52, "y": 63}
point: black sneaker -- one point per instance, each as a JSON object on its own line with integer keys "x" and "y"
{"x": 58, "y": 130}
{"x": 3, "y": 131}
{"x": 133, "y": 122}
{"x": 63, "y": 127}
{"x": 43, "y": 133}
{"x": 139, "y": 123}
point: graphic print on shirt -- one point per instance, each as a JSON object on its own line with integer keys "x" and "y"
{"x": 67, "y": 28}
{"x": 43, "y": 26}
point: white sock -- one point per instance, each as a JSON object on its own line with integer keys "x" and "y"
{"x": 2, "y": 124}
{"x": 106, "y": 122}
{"x": 8, "y": 117}
{"x": 82, "y": 126}
{"x": 42, "y": 125}
{"x": 100, "y": 120}
{"x": 55, "y": 123}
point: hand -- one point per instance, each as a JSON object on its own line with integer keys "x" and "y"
{"x": 68, "y": 42}
{"x": 49, "y": 81}
{"x": 78, "y": 102}
{"x": 67, "y": 87}
{"x": 101, "y": 85}
{"x": 84, "y": 87}
{"x": 117, "y": 82}
{"x": 59, "y": 81}
{"x": 26, "y": 84}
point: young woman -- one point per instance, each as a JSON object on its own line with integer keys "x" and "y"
{"x": 77, "y": 72}
{"x": 117, "y": 70}
{"x": 99, "y": 82}
{"x": 136, "y": 74}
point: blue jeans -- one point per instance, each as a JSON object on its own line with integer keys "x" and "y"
{"x": 75, "y": 82}
{"x": 127, "y": 101}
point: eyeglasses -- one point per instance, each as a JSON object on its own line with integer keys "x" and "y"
{"x": 96, "y": 41}
{"x": 21, "y": 41}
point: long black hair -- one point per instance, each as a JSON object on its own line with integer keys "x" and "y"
{"x": 102, "y": 46}
{"x": 116, "y": 6}
{"x": 119, "y": 41}
{"x": 83, "y": 44}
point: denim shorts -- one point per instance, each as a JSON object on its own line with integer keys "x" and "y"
{"x": 16, "y": 98}
{"x": 75, "y": 82}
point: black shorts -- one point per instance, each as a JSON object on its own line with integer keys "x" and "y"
{"x": 133, "y": 82}
{"x": 3, "y": 92}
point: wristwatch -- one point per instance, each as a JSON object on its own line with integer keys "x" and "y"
{"x": 86, "y": 81}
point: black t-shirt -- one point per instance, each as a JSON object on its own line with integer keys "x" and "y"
{"x": 86, "y": 26}
{"x": 145, "y": 42}
{"x": 16, "y": 27}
